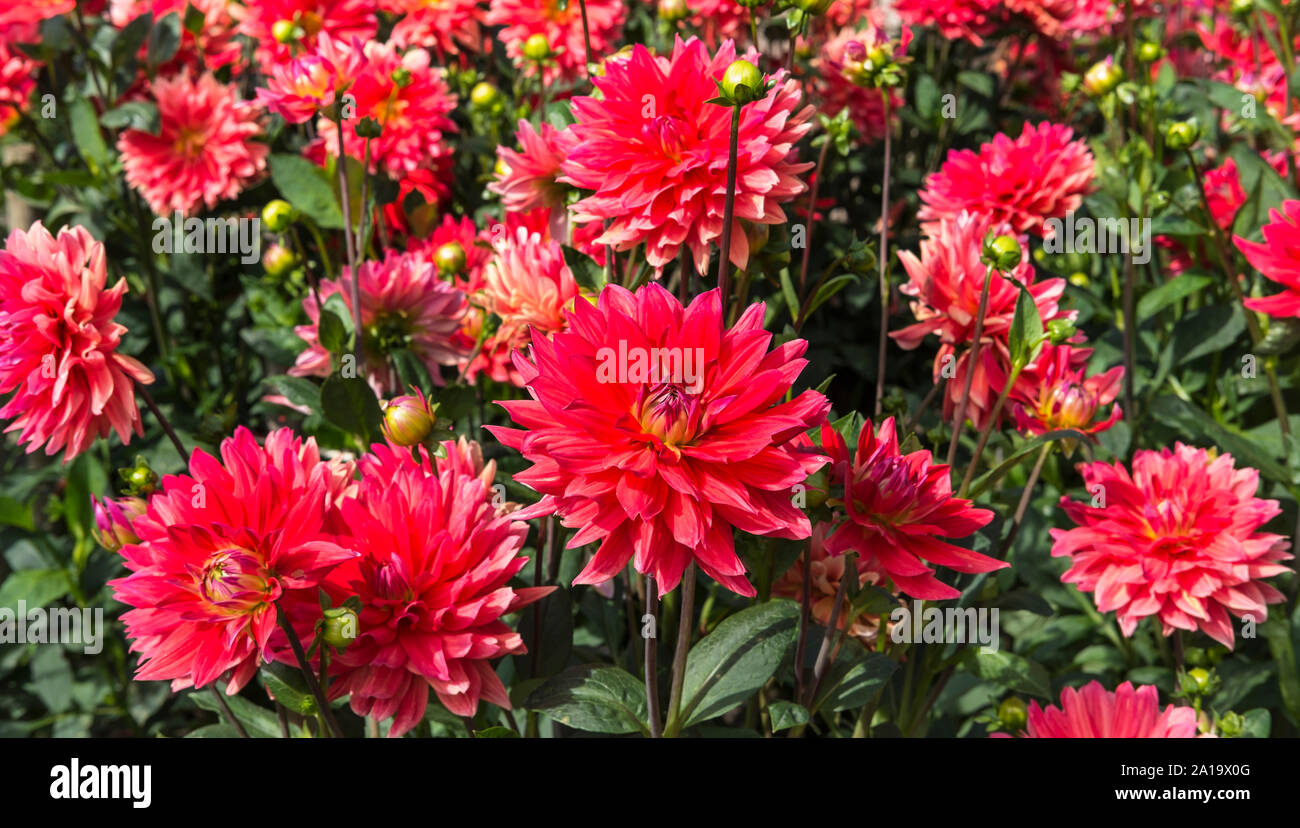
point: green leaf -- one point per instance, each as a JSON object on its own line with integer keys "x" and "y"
{"x": 927, "y": 97}
{"x": 1257, "y": 725}
{"x": 1026, "y": 335}
{"x": 288, "y": 688}
{"x": 855, "y": 678}
{"x": 13, "y": 513}
{"x": 829, "y": 289}
{"x": 304, "y": 185}
{"x": 557, "y": 636}
{"x": 1207, "y": 330}
{"x": 594, "y": 697}
{"x": 350, "y": 404}
{"x": 86, "y": 134}
{"x": 297, "y": 390}
{"x": 164, "y": 40}
{"x": 586, "y": 272}
{"x": 1179, "y": 287}
{"x": 496, "y": 732}
{"x": 787, "y": 714}
{"x": 787, "y": 291}
{"x": 1192, "y": 420}
{"x": 37, "y": 587}
{"x": 1011, "y": 671}
{"x": 1277, "y": 631}
{"x": 729, "y": 665}
{"x": 142, "y": 115}
{"x": 193, "y": 19}
{"x": 131, "y": 38}
{"x": 333, "y": 336}
{"x": 258, "y": 721}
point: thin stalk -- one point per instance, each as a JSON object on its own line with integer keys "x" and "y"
{"x": 586, "y": 38}
{"x": 685, "y": 626}
{"x": 1025, "y": 497}
{"x": 724, "y": 266}
{"x": 884, "y": 262}
{"x": 229, "y": 714}
{"x": 824, "y": 654}
{"x": 805, "y": 609}
{"x": 300, "y": 655}
{"x": 959, "y": 420}
{"x": 812, "y": 212}
{"x": 652, "y": 659}
{"x": 355, "y": 292}
{"x": 163, "y": 421}
{"x": 988, "y": 429}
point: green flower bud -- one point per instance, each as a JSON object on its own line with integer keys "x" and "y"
{"x": 140, "y": 480}
{"x": 1013, "y": 714}
{"x": 339, "y": 627}
{"x": 1102, "y": 78}
{"x": 1158, "y": 200}
{"x": 1181, "y": 135}
{"x": 671, "y": 11}
{"x": 278, "y": 214}
{"x": 1242, "y": 8}
{"x": 1001, "y": 252}
{"x": 279, "y": 260}
{"x": 1080, "y": 279}
{"x": 402, "y": 77}
{"x": 1059, "y": 331}
{"x": 450, "y": 259}
{"x": 408, "y": 419}
{"x": 814, "y": 6}
{"x": 484, "y": 96}
{"x": 1149, "y": 52}
{"x": 742, "y": 83}
{"x": 537, "y": 48}
{"x": 369, "y": 128}
{"x": 286, "y": 31}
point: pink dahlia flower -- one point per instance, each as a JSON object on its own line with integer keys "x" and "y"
{"x": 561, "y": 25}
{"x": 403, "y": 305}
{"x": 655, "y": 154}
{"x": 898, "y": 507}
{"x": 32, "y": 11}
{"x": 827, "y": 571}
{"x": 529, "y": 180}
{"x": 433, "y": 579}
{"x": 945, "y": 283}
{"x": 17, "y": 80}
{"x": 58, "y": 344}
{"x": 1095, "y": 713}
{"x": 1025, "y": 181}
{"x": 342, "y": 20}
{"x": 955, "y": 19}
{"x": 1055, "y": 394}
{"x": 1278, "y": 258}
{"x": 1176, "y": 539}
{"x": 220, "y": 547}
{"x": 529, "y": 286}
{"x": 414, "y": 117}
{"x": 300, "y": 88}
{"x": 654, "y": 432}
{"x": 448, "y": 27}
{"x": 865, "y": 105}
{"x": 205, "y": 150}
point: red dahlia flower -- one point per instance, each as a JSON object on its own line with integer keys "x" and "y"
{"x": 1278, "y": 258}
{"x": 342, "y": 20}
{"x": 898, "y": 506}
{"x": 1095, "y": 713}
{"x": 654, "y": 151}
{"x": 433, "y": 579}
{"x": 656, "y": 433}
{"x": 561, "y": 24}
{"x": 220, "y": 547}
{"x": 448, "y": 27}
{"x": 1056, "y": 395}
{"x": 58, "y": 344}
{"x": 1176, "y": 539}
{"x": 1025, "y": 181}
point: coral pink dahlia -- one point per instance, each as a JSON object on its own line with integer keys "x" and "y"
{"x": 221, "y": 547}
{"x": 1278, "y": 258}
{"x": 898, "y": 507}
{"x": 58, "y": 343}
{"x": 529, "y": 178}
{"x": 340, "y": 19}
{"x": 1025, "y": 181}
{"x": 204, "y": 151}
{"x": 562, "y": 26}
{"x": 654, "y": 153}
{"x": 1178, "y": 539}
{"x": 433, "y": 579}
{"x": 656, "y": 433}
{"x": 1095, "y": 713}
{"x": 1055, "y": 394}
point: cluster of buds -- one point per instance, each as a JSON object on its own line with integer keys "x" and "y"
{"x": 876, "y": 65}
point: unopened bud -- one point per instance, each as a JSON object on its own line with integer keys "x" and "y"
{"x": 408, "y": 419}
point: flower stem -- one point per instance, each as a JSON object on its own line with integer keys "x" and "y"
{"x": 229, "y": 714}
{"x": 1025, "y": 497}
{"x": 358, "y": 332}
{"x": 988, "y": 429}
{"x": 824, "y": 654}
{"x": 959, "y": 420}
{"x": 685, "y": 625}
{"x": 812, "y": 207}
{"x": 652, "y": 658}
{"x": 724, "y": 266}
{"x": 586, "y": 38}
{"x": 163, "y": 421}
{"x": 805, "y": 607}
{"x": 314, "y": 686}
{"x": 884, "y": 262}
